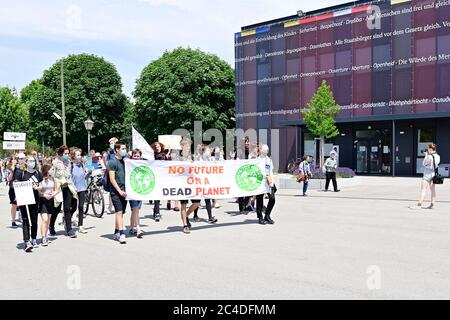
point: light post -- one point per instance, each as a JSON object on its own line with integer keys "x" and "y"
{"x": 89, "y": 124}
{"x": 42, "y": 140}
{"x": 63, "y": 104}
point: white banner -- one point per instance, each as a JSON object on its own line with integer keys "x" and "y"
{"x": 14, "y": 136}
{"x": 140, "y": 143}
{"x": 13, "y": 145}
{"x": 24, "y": 193}
{"x": 177, "y": 180}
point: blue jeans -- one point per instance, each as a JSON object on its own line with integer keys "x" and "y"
{"x": 305, "y": 186}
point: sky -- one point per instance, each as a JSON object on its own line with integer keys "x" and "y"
{"x": 128, "y": 33}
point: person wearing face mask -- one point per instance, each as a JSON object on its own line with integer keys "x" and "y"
{"x": 79, "y": 175}
{"x": 15, "y": 169}
{"x": 135, "y": 228}
{"x": 63, "y": 177}
{"x": 205, "y": 155}
{"x": 217, "y": 156}
{"x": 30, "y": 212}
{"x": 264, "y": 154}
{"x": 116, "y": 171}
{"x": 47, "y": 192}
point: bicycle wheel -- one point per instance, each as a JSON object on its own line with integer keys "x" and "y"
{"x": 87, "y": 201}
{"x": 98, "y": 203}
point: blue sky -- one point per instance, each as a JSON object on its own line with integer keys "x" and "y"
{"x": 128, "y": 33}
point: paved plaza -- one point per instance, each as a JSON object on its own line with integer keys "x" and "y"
{"x": 361, "y": 243}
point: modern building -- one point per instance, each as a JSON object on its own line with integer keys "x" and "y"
{"x": 388, "y": 64}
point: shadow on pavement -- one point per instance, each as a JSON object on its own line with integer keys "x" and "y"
{"x": 194, "y": 228}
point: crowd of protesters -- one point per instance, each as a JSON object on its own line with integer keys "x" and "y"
{"x": 60, "y": 186}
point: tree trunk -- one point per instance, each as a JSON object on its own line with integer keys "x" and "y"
{"x": 321, "y": 152}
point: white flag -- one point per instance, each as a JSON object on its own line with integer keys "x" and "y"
{"x": 140, "y": 143}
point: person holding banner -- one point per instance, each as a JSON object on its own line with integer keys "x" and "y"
{"x": 205, "y": 155}
{"x": 158, "y": 150}
{"x": 264, "y": 154}
{"x": 47, "y": 192}
{"x": 30, "y": 212}
{"x": 186, "y": 155}
{"x": 66, "y": 188}
{"x": 116, "y": 171}
{"x": 135, "y": 228}
{"x": 15, "y": 168}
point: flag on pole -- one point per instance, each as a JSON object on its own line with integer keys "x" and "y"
{"x": 140, "y": 143}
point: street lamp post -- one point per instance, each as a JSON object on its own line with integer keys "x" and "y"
{"x": 43, "y": 144}
{"x": 63, "y": 105}
{"x": 89, "y": 124}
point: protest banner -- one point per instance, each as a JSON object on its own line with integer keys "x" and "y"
{"x": 177, "y": 180}
{"x": 24, "y": 193}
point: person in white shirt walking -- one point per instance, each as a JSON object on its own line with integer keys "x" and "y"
{"x": 431, "y": 163}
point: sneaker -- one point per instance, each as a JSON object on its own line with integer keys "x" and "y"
{"x": 176, "y": 209}
{"x": 44, "y": 242}
{"x": 117, "y": 236}
{"x": 140, "y": 234}
{"x": 52, "y": 232}
{"x": 34, "y": 243}
{"x": 186, "y": 230}
{"x": 157, "y": 217}
{"x": 217, "y": 206}
{"x": 14, "y": 225}
{"x": 82, "y": 230}
{"x": 415, "y": 207}
{"x": 212, "y": 220}
{"x": 132, "y": 232}
{"x": 28, "y": 246}
{"x": 122, "y": 239}
{"x": 197, "y": 219}
{"x": 430, "y": 207}
{"x": 72, "y": 234}
{"x": 305, "y": 195}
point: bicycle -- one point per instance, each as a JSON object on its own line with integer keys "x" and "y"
{"x": 94, "y": 196}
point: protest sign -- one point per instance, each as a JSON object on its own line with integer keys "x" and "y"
{"x": 24, "y": 193}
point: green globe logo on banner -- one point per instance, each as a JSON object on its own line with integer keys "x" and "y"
{"x": 142, "y": 180}
{"x": 249, "y": 177}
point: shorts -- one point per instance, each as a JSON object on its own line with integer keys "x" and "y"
{"x": 119, "y": 203}
{"x": 12, "y": 196}
{"x": 187, "y": 201}
{"x": 135, "y": 204}
{"x": 46, "y": 206}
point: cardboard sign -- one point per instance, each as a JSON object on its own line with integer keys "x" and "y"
{"x": 24, "y": 193}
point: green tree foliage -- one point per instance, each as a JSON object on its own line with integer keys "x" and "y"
{"x": 319, "y": 116}
{"x": 181, "y": 87}
{"x": 13, "y": 113}
{"x": 93, "y": 89}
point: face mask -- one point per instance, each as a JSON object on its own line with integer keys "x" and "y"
{"x": 207, "y": 152}
{"x": 78, "y": 159}
{"x": 123, "y": 153}
{"x": 65, "y": 157}
{"x": 111, "y": 146}
{"x": 31, "y": 165}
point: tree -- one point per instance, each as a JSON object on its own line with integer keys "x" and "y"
{"x": 13, "y": 113}
{"x": 93, "y": 89}
{"x": 183, "y": 86}
{"x": 319, "y": 116}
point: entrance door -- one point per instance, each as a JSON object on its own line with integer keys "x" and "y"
{"x": 372, "y": 152}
